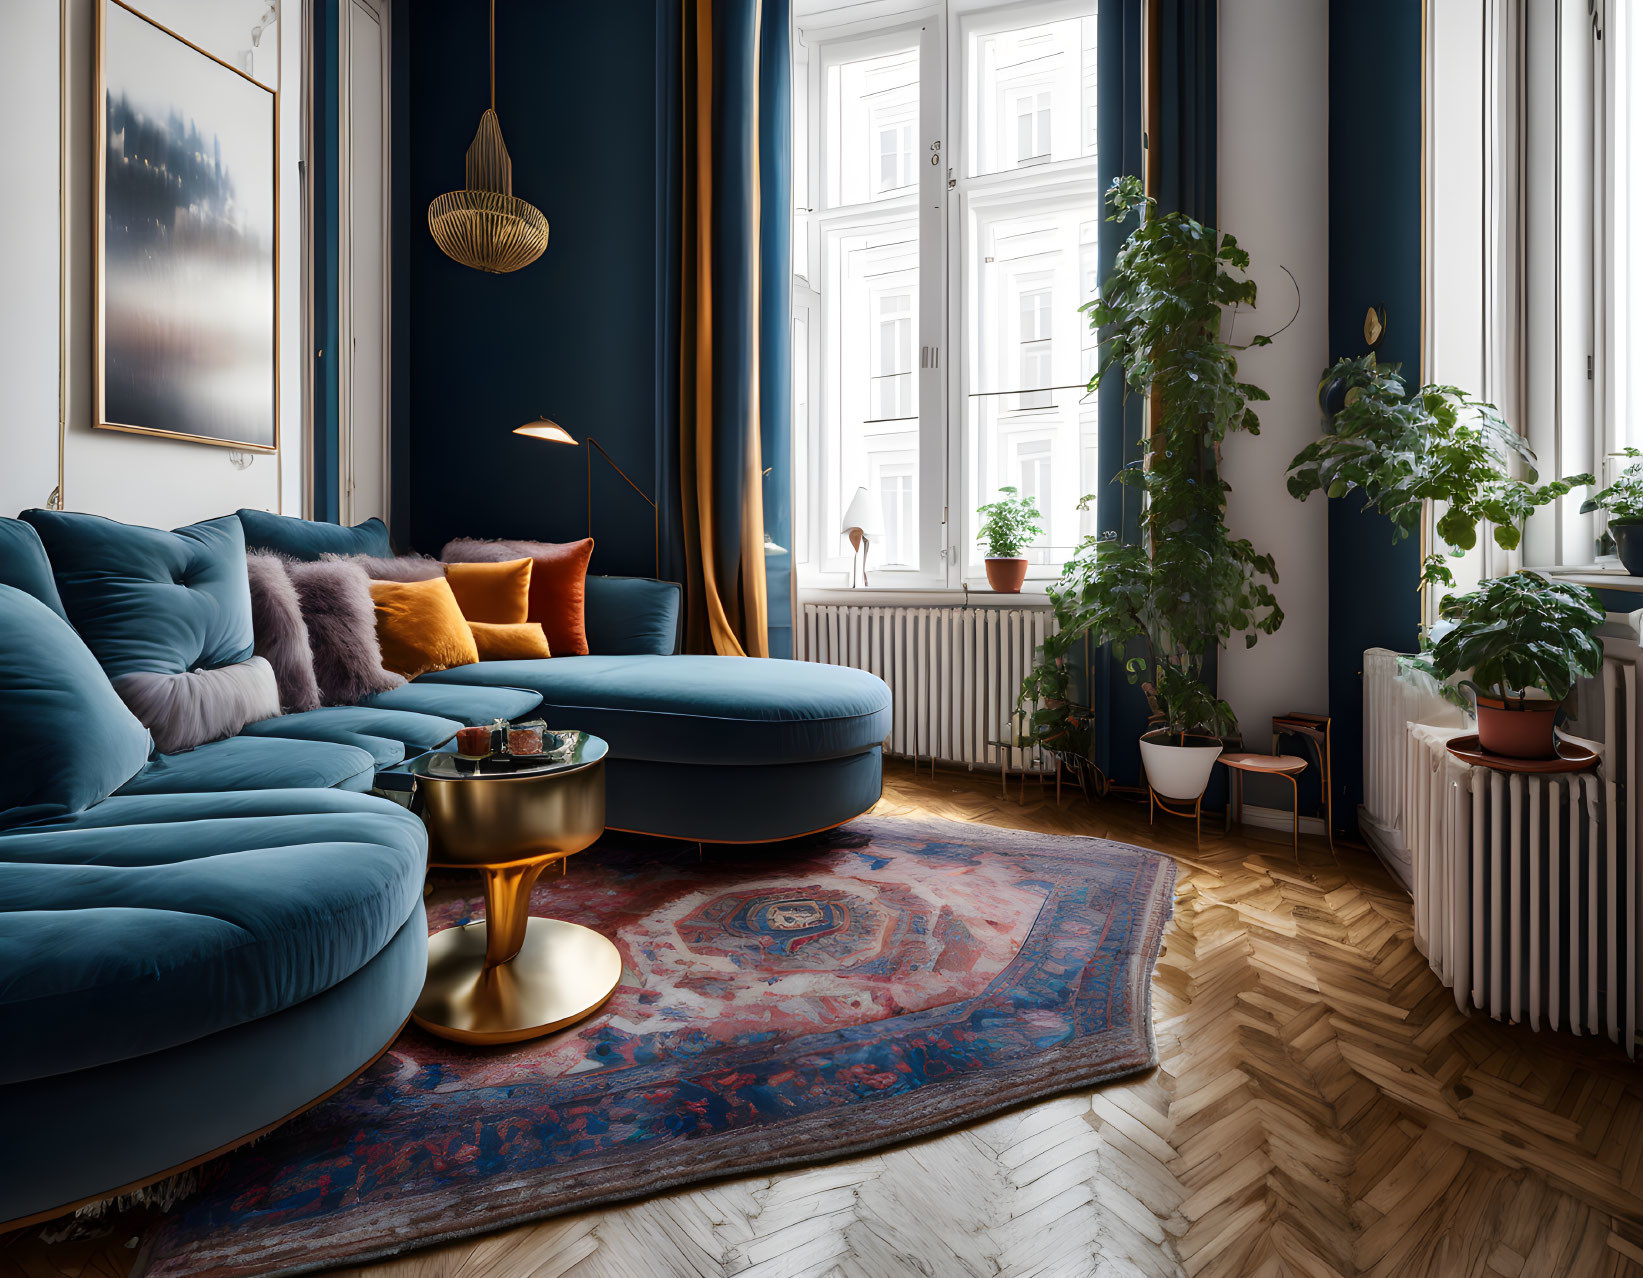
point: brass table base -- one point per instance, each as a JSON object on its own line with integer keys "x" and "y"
{"x": 562, "y": 973}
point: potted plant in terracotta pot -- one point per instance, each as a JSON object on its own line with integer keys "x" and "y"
{"x": 1622, "y": 501}
{"x": 1183, "y": 586}
{"x": 1011, "y": 525}
{"x": 1525, "y": 640}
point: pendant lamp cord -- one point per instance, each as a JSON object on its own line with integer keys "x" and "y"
{"x": 493, "y": 57}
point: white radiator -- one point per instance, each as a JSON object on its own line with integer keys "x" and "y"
{"x": 1526, "y": 886}
{"x": 954, "y": 673}
{"x": 1393, "y": 699}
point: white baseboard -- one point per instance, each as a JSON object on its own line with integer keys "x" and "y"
{"x": 1281, "y": 819}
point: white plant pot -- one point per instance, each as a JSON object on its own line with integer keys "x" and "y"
{"x": 1179, "y": 772}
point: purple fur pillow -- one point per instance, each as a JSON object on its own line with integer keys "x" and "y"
{"x": 393, "y": 568}
{"x": 281, "y": 634}
{"x": 342, "y": 630}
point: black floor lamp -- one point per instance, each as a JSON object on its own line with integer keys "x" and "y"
{"x": 554, "y": 433}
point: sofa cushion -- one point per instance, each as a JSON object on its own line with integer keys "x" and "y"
{"x": 305, "y": 539}
{"x": 415, "y": 733}
{"x": 279, "y": 632}
{"x": 625, "y": 616}
{"x": 498, "y": 593}
{"x": 146, "y": 599}
{"x": 118, "y": 940}
{"x": 558, "y": 588}
{"x": 393, "y": 567}
{"x": 23, "y": 564}
{"x": 68, "y": 739}
{"x": 693, "y": 709}
{"x": 420, "y": 627}
{"x": 189, "y": 709}
{"x": 499, "y": 641}
{"x": 255, "y": 763}
{"x": 468, "y": 703}
{"x": 342, "y": 631}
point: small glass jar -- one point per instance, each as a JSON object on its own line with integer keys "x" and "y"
{"x": 526, "y": 738}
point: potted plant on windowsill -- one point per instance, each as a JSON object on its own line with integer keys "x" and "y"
{"x": 1185, "y": 586}
{"x": 1622, "y": 501}
{"x": 1525, "y": 641}
{"x": 1011, "y": 525}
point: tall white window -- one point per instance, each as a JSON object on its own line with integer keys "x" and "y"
{"x": 944, "y": 259}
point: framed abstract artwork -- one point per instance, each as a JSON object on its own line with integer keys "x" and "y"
{"x": 186, "y": 314}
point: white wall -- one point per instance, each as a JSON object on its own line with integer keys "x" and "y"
{"x": 1273, "y": 195}
{"x": 130, "y": 477}
{"x": 28, "y": 256}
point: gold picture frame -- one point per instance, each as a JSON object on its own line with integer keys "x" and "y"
{"x": 140, "y": 290}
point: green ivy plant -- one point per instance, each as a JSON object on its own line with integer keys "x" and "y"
{"x": 1519, "y": 632}
{"x": 1011, "y": 524}
{"x": 1186, "y": 586}
{"x": 1439, "y": 444}
{"x": 1623, "y": 499}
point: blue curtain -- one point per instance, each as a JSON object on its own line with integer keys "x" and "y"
{"x": 724, "y": 178}
{"x": 1182, "y": 52}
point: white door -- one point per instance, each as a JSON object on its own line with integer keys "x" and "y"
{"x": 364, "y": 427}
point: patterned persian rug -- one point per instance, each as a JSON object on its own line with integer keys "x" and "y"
{"x": 779, "y": 1005}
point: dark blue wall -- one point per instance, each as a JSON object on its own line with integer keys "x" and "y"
{"x": 571, "y": 336}
{"x": 1374, "y": 260}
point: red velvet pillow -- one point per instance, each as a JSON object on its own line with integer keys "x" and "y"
{"x": 559, "y": 574}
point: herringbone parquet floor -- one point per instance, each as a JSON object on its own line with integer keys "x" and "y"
{"x": 1320, "y": 1109}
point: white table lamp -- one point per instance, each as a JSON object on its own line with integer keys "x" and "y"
{"x": 863, "y": 517}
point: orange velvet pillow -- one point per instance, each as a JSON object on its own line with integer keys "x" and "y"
{"x": 559, "y": 574}
{"x": 420, "y": 627}
{"x": 500, "y": 642}
{"x": 495, "y": 593}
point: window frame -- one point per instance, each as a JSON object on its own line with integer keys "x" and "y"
{"x": 941, "y": 317}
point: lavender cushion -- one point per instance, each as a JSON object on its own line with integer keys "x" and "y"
{"x": 394, "y": 567}
{"x": 342, "y": 631}
{"x": 280, "y": 632}
{"x": 188, "y": 709}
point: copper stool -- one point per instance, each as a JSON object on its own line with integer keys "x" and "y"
{"x": 1288, "y": 766}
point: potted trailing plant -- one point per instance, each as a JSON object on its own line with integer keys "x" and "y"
{"x": 1622, "y": 501}
{"x": 1011, "y": 525}
{"x": 1525, "y": 641}
{"x": 1403, "y": 449}
{"x": 1185, "y": 585}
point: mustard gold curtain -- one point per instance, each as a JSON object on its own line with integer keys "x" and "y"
{"x": 731, "y": 287}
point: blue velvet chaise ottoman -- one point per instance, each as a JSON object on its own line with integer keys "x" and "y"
{"x": 711, "y": 749}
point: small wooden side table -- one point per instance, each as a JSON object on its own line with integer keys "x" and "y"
{"x": 1288, "y": 766}
{"x": 1315, "y": 730}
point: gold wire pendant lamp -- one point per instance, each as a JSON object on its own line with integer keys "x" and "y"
{"x": 484, "y": 226}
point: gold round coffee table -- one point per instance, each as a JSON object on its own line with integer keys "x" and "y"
{"x": 511, "y": 976}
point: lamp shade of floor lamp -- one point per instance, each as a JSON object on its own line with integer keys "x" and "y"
{"x": 552, "y": 432}
{"x": 863, "y": 520}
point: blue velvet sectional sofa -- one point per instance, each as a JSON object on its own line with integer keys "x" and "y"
{"x": 195, "y": 946}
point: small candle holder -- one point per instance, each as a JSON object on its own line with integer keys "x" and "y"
{"x": 473, "y": 743}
